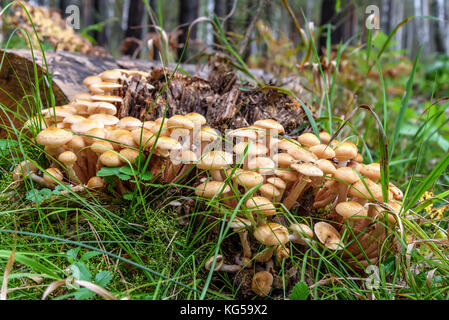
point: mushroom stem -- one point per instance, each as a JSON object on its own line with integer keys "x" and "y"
{"x": 40, "y": 180}
{"x": 243, "y": 235}
{"x": 296, "y": 192}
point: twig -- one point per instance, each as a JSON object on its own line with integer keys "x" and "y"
{"x": 249, "y": 31}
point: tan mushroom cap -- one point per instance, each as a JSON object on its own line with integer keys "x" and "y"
{"x": 106, "y": 119}
{"x": 106, "y": 98}
{"x": 286, "y": 144}
{"x": 346, "y": 151}
{"x": 245, "y": 132}
{"x": 277, "y": 182}
{"x": 81, "y": 96}
{"x": 178, "y": 121}
{"x": 167, "y": 144}
{"x": 90, "y": 80}
{"x": 271, "y": 234}
{"x": 185, "y": 156}
{"x": 261, "y": 283}
{"x": 270, "y": 125}
{"x": 25, "y": 167}
{"x": 283, "y": 160}
{"x": 359, "y": 158}
{"x": 261, "y": 205}
{"x": 255, "y": 149}
{"x": 82, "y": 106}
{"x": 325, "y": 137}
{"x": 208, "y": 134}
{"x": 286, "y": 174}
{"x": 197, "y": 119}
{"x": 101, "y": 107}
{"x": 248, "y": 179}
{"x": 211, "y": 189}
{"x": 303, "y": 155}
{"x": 83, "y": 126}
{"x": 129, "y": 154}
{"x": 144, "y": 138}
{"x": 397, "y": 193}
{"x": 323, "y": 151}
{"x": 129, "y": 123}
{"x": 351, "y": 209}
{"x": 95, "y": 134}
{"x": 269, "y": 191}
{"x": 371, "y": 171}
{"x": 373, "y": 192}
{"x": 214, "y": 160}
{"x": 328, "y": 236}
{"x": 67, "y": 157}
{"x": 101, "y": 146}
{"x": 104, "y": 87}
{"x": 59, "y": 112}
{"x": 55, "y": 172}
{"x": 326, "y": 166}
{"x": 346, "y": 174}
{"x": 96, "y": 183}
{"x": 74, "y": 118}
{"x": 122, "y": 137}
{"x": 308, "y": 139}
{"x": 302, "y": 229}
{"x": 110, "y": 159}
{"x": 111, "y": 75}
{"x": 263, "y": 165}
{"x": 307, "y": 169}
{"x": 53, "y": 137}
{"x": 219, "y": 262}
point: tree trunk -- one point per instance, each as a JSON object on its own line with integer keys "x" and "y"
{"x": 135, "y": 16}
{"x": 188, "y": 12}
{"x": 100, "y": 15}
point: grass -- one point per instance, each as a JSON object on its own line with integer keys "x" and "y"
{"x": 149, "y": 250}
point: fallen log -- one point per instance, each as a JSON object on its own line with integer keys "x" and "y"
{"x": 212, "y": 90}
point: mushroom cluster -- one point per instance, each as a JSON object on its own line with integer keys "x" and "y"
{"x": 261, "y": 174}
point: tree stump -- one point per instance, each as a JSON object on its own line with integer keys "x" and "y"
{"x": 212, "y": 90}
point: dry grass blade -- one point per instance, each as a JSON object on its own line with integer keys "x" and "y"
{"x": 52, "y": 287}
{"x": 8, "y": 269}
{"x": 96, "y": 289}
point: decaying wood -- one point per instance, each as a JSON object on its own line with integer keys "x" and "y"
{"x": 212, "y": 90}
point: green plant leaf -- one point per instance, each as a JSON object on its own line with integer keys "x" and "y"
{"x": 89, "y": 255}
{"x": 72, "y": 254}
{"x": 83, "y": 294}
{"x": 80, "y": 271}
{"x": 300, "y": 291}
{"x": 103, "y": 278}
{"x": 108, "y": 172}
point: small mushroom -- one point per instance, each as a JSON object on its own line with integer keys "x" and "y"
{"x": 261, "y": 283}
{"x": 301, "y": 233}
{"x": 220, "y": 265}
{"x": 328, "y": 236}
{"x": 271, "y": 235}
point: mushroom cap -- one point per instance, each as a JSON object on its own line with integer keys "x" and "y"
{"x": 308, "y": 139}
{"x": 101, "y": 146}
{"x": 58, "y": 112}
{"x": 95, "y": 134}
{"x": 328, "y": 236}
{"x": 307, "y": 169}
{"x": 239, "y": 223}
{"x": 22, "y": 168}
{"x": 325, "y": 137}
{"x": 129, "y": 154}
{"x": 111, "y": 75}
{"x": 270, "y": 125}
{"x": 271, "y": 234}
{"x": 286, "y": 144}
{"x": 81, "y": 127}
{"x": 326, "y": 166}
{"x": 68, "y": 157}
{"x": 277, "y": 182}
{"x": 207, "y": 134}
{"x": 90, "y": 80}
{"x": 245, "y": 132}
{"x": 302, "y": 229}
{"x": 53, "y": 137}
{"x": 346, "y": 151}
{"x": 178, "y": 121}
{"x": 210, "y": 189}
{"x": 197, "y": 119}
{"x": 283, "y": 159}
{"x": 263, "y": 165}
{"x": 397, "y": 193}
{"x": 73, "y": 118}
{"x": 269, "y": 191}
{"x": 371, "y": 171}
{"x": 144, "y": 138}
{"x": 248, "y": 179}
{"x": 96, "y": 183}
{"x": 346, "y": 174}
{"x": 110, "y": 159}
{"x": 323, "y": 151}
{"x": 167, "y": 143}
{"x": 286, "y": 174}
{"x": 106, "y": 119}
{"x": 302, "y": 154}
{"x": 129, "y": 123}
{"x": 106, "y": 98}
{"x": 261, "y": 205}
{"x": 185, "y": 156}
{"x": 351, "y": 209}
{"x": 104, "y": 87}
{"x": 55, "y": 172}
{"x": 102, "y": 107}
{"x": 214, "y": 160}
{"x": 122, "y": 137}
{"x": 218, "y": 263}
{"x": 261, "y": 283}
{"x": 373, "y": 192}
{"x": 255, "y": 149}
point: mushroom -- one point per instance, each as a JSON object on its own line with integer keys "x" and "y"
{"x": 280, "y": 185}
{"x": 220, "y": 265}
{"x": 281, "y": 253}
{"x": 52, "y": 176}
{"x": 68, "y": 158}
{"x": 244, "y": 136}
{"x": 271, "y": 235}
{"x": 305, "y": 170}
{"x": 212, "y": 189}
{"x": 344, "y": 152}
{"x": 271, "y": 128}
{"x": 215, "y": 162}
{"x": 240, "y": 225}
{"x": 96, "y": 183}
{"x": 328, "y": 236}
{"x": 261, "y": 283}
{"x": 301, "y": 233}
{"x": 308, "y": 139}
{"x": 352, "y": 212}
{"x": 261, "y": 207}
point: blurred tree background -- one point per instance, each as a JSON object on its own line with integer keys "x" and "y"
{"x": 124, "y": 26}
